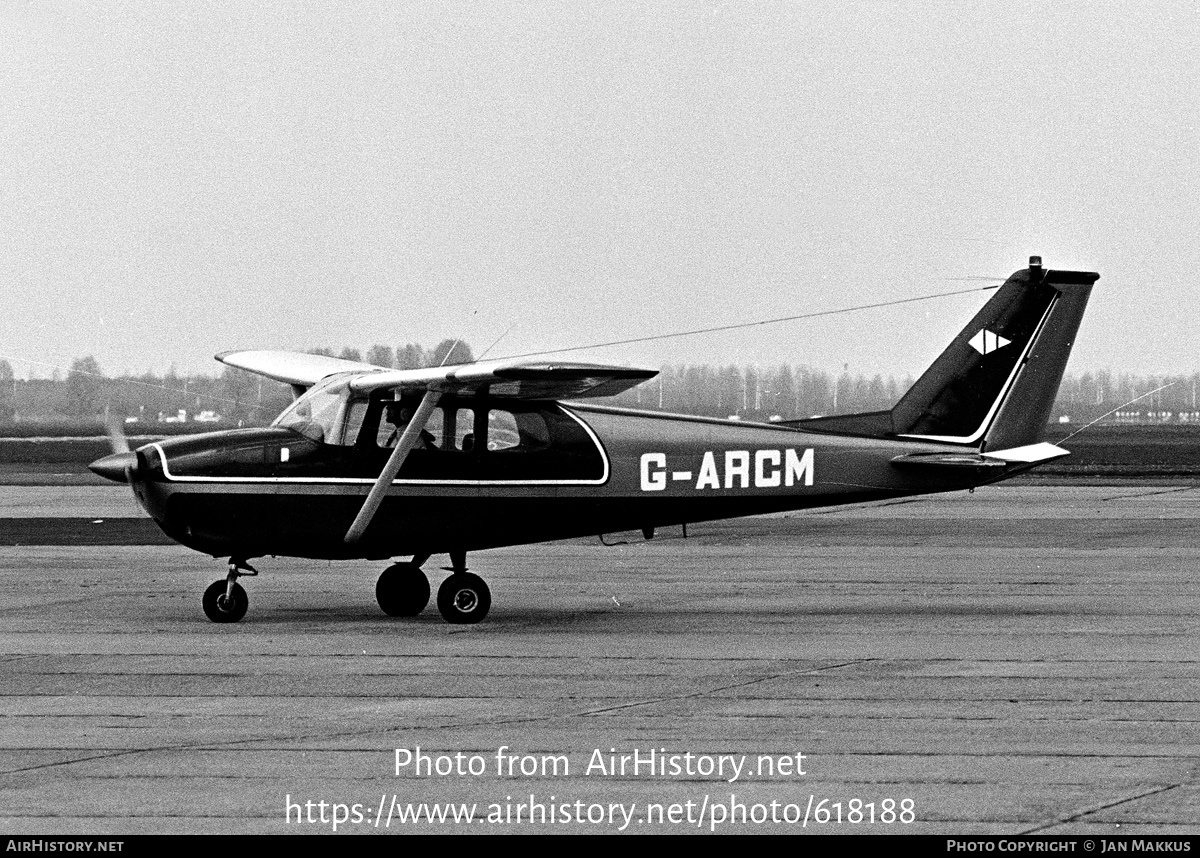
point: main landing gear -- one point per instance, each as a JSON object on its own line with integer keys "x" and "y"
{"x": 463, "y": 599}
{"x": 402, "y": 590}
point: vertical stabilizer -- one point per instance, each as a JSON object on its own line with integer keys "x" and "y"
{"x": 995, "y": 384}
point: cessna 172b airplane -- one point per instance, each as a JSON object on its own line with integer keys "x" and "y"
{"x": 374, "y": 463}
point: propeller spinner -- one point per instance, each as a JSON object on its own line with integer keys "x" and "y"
{"x": 121, "y": 465}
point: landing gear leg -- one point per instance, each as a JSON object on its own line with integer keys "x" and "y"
{"x": 463, "y": 598}
{"x": 402, "y": 589}
{"x": 225, "y": 601}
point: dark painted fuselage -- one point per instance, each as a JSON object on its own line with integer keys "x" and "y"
{"x": 250, "y": 493}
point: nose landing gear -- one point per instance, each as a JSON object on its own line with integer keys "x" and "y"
{"x": 225, "y": 601}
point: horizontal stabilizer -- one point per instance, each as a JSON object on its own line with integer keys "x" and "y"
{"x": 983, "y": 463}
{"x": 1030, "y": 453}
{"x": 958, "y": 462}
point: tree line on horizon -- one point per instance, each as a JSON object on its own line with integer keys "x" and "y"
{"x": 86, "y": 394}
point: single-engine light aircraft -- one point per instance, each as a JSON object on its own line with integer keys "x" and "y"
{"x": 370, "y": 463}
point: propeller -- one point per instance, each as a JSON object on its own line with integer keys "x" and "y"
{"x": 121, "y": 465}
{"x": 116, "y": 435}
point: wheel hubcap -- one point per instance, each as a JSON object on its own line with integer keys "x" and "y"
{"x": 465, "y": 600}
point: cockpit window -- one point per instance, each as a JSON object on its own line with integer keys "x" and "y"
{"x": 315, "y": 414}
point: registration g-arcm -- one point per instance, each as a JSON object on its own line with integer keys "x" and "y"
{"x": 371, "y": 463}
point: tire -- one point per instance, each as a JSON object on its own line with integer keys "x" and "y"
{"x": 464, "y": 599}
{"x": 221, "y": 610}
{"x": 402, "y": 590}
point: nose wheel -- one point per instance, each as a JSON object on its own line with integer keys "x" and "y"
{"x": 225, "y": 601}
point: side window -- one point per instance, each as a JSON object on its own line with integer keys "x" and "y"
{"x": 355, "y": 413}
{"x": 533, "y": 429}
{"x": 538, "y": 443}
{"x": 443, "y": 423}
{"x": 395, "y": 419}
{"x": 464, "y": 435}
{"x": 502, "y": 432}
{"x": 517, "y": 443}
{"x": 524, "y": 430}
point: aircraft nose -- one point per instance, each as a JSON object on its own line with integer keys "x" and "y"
{"x": 117, "y": 467}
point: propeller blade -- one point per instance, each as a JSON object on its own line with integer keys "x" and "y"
{"x": 121, "y": 466}
{"x": 116, "y": 436}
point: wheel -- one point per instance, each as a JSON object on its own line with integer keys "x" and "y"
{"x": 402, "y": 590}
{"x": 220, "y": 609}
{"x": 464, "y": 598}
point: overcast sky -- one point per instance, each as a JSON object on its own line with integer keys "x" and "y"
{"x": 181, "y": 179}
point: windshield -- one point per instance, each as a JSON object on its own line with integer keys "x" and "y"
{"x": 315, "y": 414}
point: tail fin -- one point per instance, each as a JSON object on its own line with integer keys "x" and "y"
{"x": 995, "y": 384}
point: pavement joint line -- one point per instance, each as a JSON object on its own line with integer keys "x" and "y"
{"x": 1063, "y": 820}
{"x": 856, "y": 507}
{"x": 551, "y": 656}
{"x": 707, "y": 692}
{"x": 900, "y": 502}
{"x": 1150, "y": 494}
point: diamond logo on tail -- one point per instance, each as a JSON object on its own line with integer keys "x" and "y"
{"x": 985, "y": 342}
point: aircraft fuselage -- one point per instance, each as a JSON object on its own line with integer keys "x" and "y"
{"x": 274, "y": 491}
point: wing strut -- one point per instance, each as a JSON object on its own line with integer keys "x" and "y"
{"x": 408, "y": 440}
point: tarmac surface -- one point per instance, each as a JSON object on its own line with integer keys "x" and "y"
{"x": 1023, "y": 659}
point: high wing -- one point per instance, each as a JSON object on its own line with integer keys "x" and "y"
{"x": 298, "y": 369}
{"x": 499, "y": 379}
{"x": 510, "y": 379}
